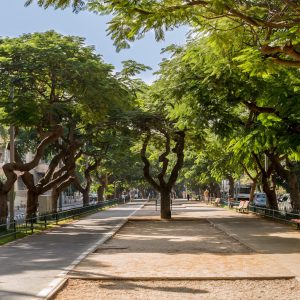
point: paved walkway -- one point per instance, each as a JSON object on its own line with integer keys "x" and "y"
{"x": 30, "y": 267}
{"x": 209, "y": 242}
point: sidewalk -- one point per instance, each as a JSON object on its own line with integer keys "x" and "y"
{"x": 32, "y": 266}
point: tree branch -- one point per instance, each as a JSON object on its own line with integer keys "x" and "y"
{"x": 163, "y": 158}
{"x": 179, "y": 151}
{"x": 146, "y": 162}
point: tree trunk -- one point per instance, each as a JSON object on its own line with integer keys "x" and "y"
{"x": 86, "y": 198}
{"x": 100, "y": 193}
{"x": 3, "y": 208}
{"x": 214, "y": 189}
{"x": 32, "y": 204}
{"x": 165, "y": 204}
{"x": 270, "y": 192}
{"x": 231, "y": 186}
{"x": 54, "y": 198}
{"x": 294, "y": 190}
{"x": 252, "y": 191}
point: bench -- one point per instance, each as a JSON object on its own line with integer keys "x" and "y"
{"x": 296, "y": 221}
{"x": 245, "y": 207}
{"x": 217, "y": 202}
{"x": 240, "y": 206}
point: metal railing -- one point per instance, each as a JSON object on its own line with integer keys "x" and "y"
{"x": 15, "y": 228}
{"x": 279, "y": 215}
{"x": 274, "y": 214}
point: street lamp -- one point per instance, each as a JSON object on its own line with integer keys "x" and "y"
{"x": 12, "y": 159}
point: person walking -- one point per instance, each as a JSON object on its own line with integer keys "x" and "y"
{"x": 206, "y": 196}
{"x": 188, "y": 197}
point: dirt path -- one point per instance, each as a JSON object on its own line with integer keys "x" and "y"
{"x": 188, "y": 253}
{"x": 181, "y": 290}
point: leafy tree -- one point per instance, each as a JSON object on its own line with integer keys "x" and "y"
{"x": 274, "y": 24}
{"x": 163, "y": 134}
{"x": 57, "y": 82}
{"x": 211, "y": 91}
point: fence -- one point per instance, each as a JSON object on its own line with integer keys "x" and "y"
{"x": 30, "y": 225}
{"x": 281, "y": 215}
{"x": 274, "y": 214}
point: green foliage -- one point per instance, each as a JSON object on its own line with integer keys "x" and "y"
{"x": 47, "y": 74}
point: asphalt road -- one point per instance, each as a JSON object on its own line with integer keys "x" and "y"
{"x": 27, "y": 266}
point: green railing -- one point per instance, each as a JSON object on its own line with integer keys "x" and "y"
{"x": 279, "y": 215}
{"x": 16, "y": 228}
{"x": 274, "y": 214}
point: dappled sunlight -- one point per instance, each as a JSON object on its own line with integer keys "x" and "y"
{"x": 44, "y": 260}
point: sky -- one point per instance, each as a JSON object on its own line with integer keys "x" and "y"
{"x": 15, "y": 19}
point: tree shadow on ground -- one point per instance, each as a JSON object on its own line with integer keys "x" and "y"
{"x": 131, "y": 285}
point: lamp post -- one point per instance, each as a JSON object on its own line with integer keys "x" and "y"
{"x": 11, "y": 158}
{"x": 60, "y": 197}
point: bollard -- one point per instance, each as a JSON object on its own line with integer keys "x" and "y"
{"x": 31, "y": 225}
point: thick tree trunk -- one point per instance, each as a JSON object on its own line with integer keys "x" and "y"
{"x": 165, "y": 204}
{"x": 85, "y": 198}
{"x": 294, "y": 190}
{"x": 3, "y": 208}
{"x": 214, "y": 189}
{"x": 252, "y": 191}
{"x": 290, "y": 176}
{"x": 231, "y": 186}
{"x": 270, "y": 192}
{"x": 100, "y": 193}
{"x": 32, "y": 204}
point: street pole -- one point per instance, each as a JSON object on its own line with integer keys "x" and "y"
{"x": 12, "y": 159}
{"x": 60, "y": 196}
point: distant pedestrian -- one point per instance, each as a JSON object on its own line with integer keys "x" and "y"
{"x": 206, "y": 195}
{"x": 188, "y": 197}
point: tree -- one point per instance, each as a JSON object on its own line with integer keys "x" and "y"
{"x": 212, "y": 91}
{"x": 53, "y": 177}
{"x": 90, "y": 166}
{"x": 274, "y": 24}
{"x": 10, "y": 169}
{"x": 52, "y": 81}
{"x": 162, "y": 185}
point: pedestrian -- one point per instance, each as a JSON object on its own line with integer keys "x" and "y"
{"x": 206, "y": 196}
{"x": 188, "y": 197}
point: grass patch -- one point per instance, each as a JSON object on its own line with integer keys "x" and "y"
{"x": 40, "y": 226}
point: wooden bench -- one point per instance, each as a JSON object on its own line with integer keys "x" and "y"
{"x": 245, "y": 207}
{"x": 296, "y": 221}
{"x": 217, "y": 202}
{"x": 240, "y": 206}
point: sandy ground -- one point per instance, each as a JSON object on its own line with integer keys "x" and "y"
{"x": 180, "y": 248}
{"x": 77, "y": 289}
{"x": 148, "y": 248}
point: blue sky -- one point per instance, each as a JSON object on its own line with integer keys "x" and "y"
{"x": 15, "y": 20}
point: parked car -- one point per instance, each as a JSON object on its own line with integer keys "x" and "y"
{"x": 260, "y": 199}
{"x": 284, "y": 203}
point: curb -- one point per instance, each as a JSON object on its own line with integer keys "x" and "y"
{"x": 59, "y": 282}
{"x": 153, "y": 278}
{"x": 232, "y": 235}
